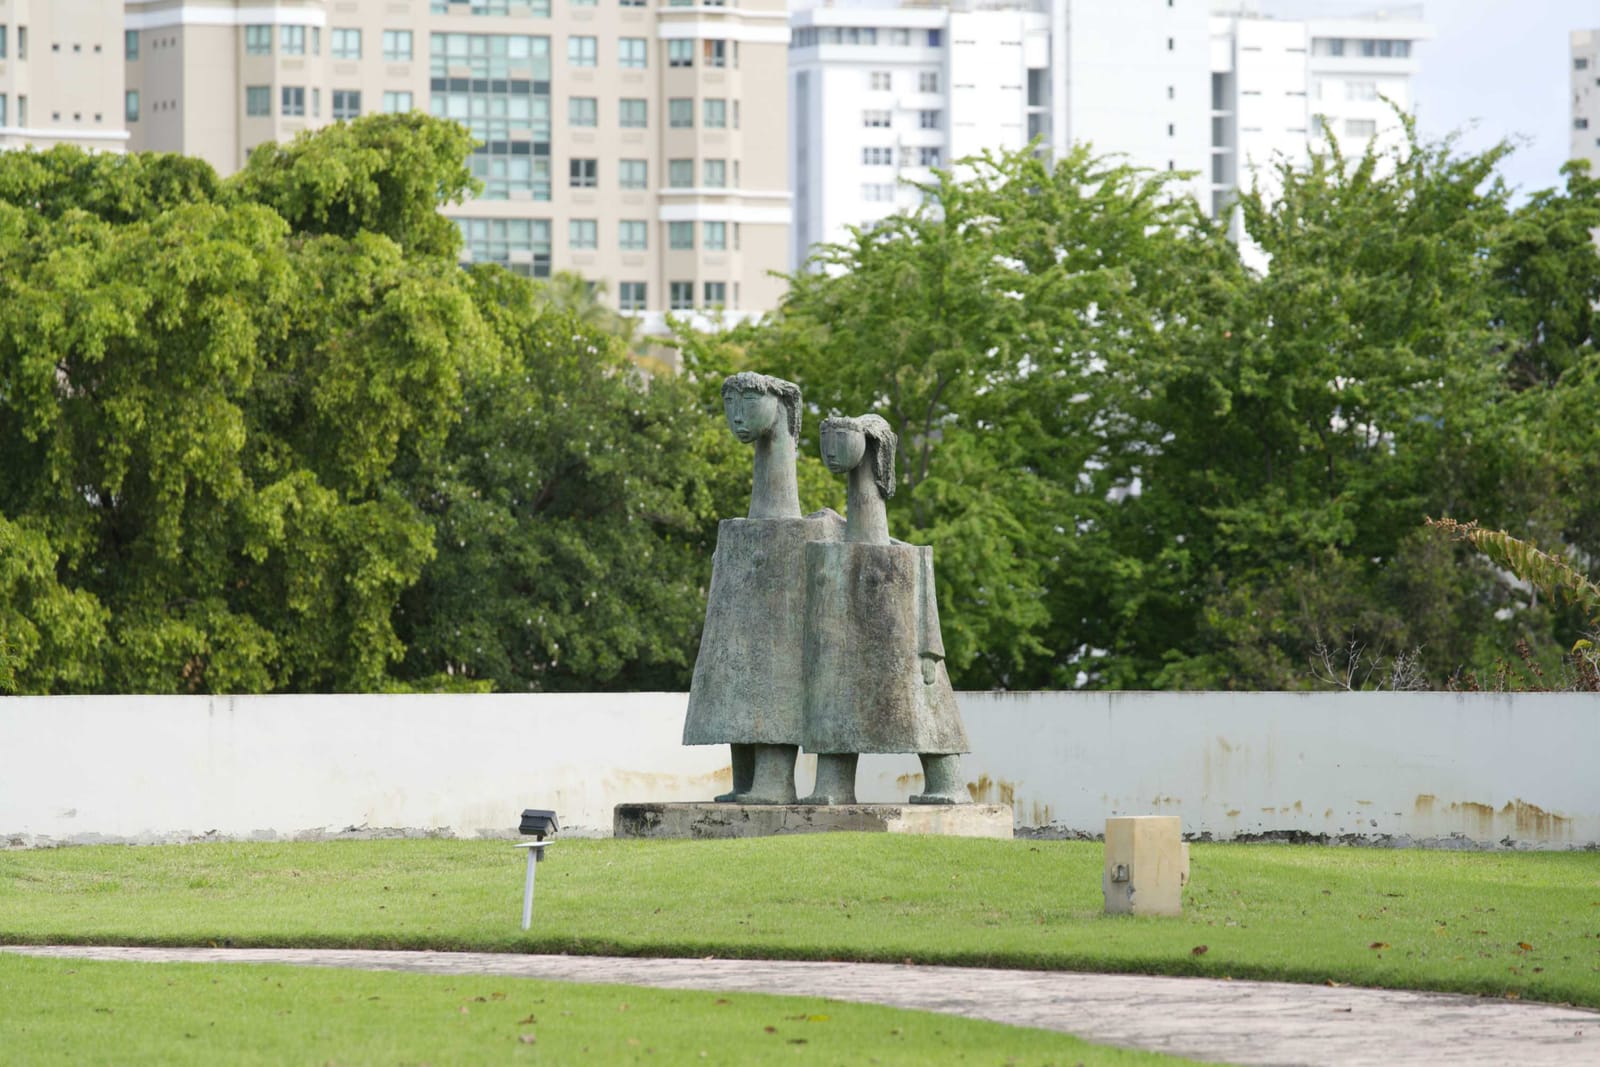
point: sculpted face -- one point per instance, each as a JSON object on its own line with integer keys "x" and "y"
{"x": 842, "y": 449}
{"x": 751, "y": 413}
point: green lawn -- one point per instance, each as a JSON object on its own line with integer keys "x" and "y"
{"x": 78, "y": 1011}
{"x": 1523, "y": 924}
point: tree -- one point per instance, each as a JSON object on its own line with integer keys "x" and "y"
{"x": 200, "y": 406}
{"x": 997, "y": 329}
{"x": 574, "y": 504}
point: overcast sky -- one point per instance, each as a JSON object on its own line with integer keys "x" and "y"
{"x": 1494, "y": 69}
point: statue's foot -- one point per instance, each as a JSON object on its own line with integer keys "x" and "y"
{"x": 836, "y": 779}
{"x": 941, "y": 774}
{"x": 744, "y": 769}
{"x": 773, "y": 779}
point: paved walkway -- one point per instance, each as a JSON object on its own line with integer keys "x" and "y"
{"x": 1233, "y": 1022}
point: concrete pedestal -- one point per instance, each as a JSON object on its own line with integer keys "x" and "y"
{"x": 708, "y": 820}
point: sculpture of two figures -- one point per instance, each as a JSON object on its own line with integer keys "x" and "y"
{"x": 820, "y": 631}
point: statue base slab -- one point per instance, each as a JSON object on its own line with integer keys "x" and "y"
{"x": 711, "y": 820}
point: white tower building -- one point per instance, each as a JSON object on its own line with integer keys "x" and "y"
{"x": 1586, "y": 97}
{"x": 880, "y": 91}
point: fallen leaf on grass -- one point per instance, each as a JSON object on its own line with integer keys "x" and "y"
{"x": 623, "y": 1006}
{"x": 465, "y": 1010}
{"x": 797, "y": 1041}
{"x": 1512, "y": 994}
{"x": 769, "y": 1029}
{"x": 722, "y": 1000}
{"x": 529, "y": 1021}
{"x": 1524, "y": 946}
{"x": 527, "y": 1039}
{"x": 1379, "y": 944}
{"x": 1200, "y": 950}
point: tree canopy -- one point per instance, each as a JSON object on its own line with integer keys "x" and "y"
{"x": 264, "y": 433}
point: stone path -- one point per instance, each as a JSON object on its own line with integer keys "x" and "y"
{"x": 1209, "y": 1019}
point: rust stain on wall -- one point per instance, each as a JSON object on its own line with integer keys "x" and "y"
{"x": 912, "y": 782}
{"x": 1234, "y": 814}
{"x": 987, "y": 791}
{"x": 651, "y": 782}
{"x": 1477, "y": 819}
{"x": 1534, "y": 822}
{"x": 1424, "y": 805}
{"x": 1222, "y": 743}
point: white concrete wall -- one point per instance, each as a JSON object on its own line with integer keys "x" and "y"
{"x": 1422, "y": 767}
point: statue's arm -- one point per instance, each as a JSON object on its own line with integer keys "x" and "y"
{"x": 930, "y": 642}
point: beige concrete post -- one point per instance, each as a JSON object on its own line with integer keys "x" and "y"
{"x": 1146, "y": 865}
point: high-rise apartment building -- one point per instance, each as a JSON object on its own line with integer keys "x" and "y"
{"x": 1281, "y": 87}
{"x": 639, "y": 145}
{"x": 881, "y": 91}
{"x": 1586, "y": 97}
{"x": 61, "y": 74}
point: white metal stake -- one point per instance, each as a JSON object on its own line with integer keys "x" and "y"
{"x": 535, "y": 853}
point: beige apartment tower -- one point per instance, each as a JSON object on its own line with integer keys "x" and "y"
{"x": 61, "y": 74}
{"x": 642, "y": 146}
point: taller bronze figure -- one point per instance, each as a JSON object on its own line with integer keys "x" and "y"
{"x": 749, "y": 687}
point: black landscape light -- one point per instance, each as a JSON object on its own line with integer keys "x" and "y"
{"x": 536, "y": 823}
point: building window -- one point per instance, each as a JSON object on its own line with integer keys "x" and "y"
{"x": 130, "y": 43}
{"x": 928, "y": 156}
{"x": 1580, "y": 124}
{"x": 715, "y": 113}
{"x": 583, "y": 234}
{"x": 630, "y": 294}
{"x": 715, "y": 173}
{"x": 630, "y": 3}
{"x": 928, "y": 81}
{"x": 258, "y": 40}
{"x": 582, "y": 51}
{"x": 680, "y": 53}
{"x": 680, "y": 112}
{"x": 397, "y": 46}
{"x": 1360, "y": 127}
{"x": 716, "y": 52}
{"x": 716, "y": 294}
{"x": 715, "y": 235}
{"x": 680, "y": 173}
{"x": 633, "y": 112}
{"x": 877, "y": 156}
{"x": 1360, "y": 90}
{"x": 633, "y": 174}
{"x": 292, "y": 40}
{"x": 2, "y": 109}
{"x": 396, "y": 102}
{"x": 582, "y": 111}
{"x": 680, "y": 296}
{"x": 935, "y": 39}
{"x": 344, "y": 44}
{"x": 258, "y": 100}
{"x": 632, "y": 52}
{"x": 583, "y": 173}
{"x": 632, "y": 235}
{"x": 1172, "y": 44}
{"x": 292, "y": 101}
{"x": 680, "y": 235}
{"x": 130, "y": 105}
{"x": 1579, "y": 63}
{"x": 875, "y": 119}
{"x": 878, "y": 80}
{"x": 1172, "y": 129}
{"x": 877, "y": 192}
{"x": 930, "y": 120}
{"x": 496, "y": 240}
{"x": 346, "y": 103}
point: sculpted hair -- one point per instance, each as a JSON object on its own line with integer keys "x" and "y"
{"x": 881, "y": 444}
{"x": 788, "y": 393}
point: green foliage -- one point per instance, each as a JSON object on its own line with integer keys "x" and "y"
{"x": 1553, "y": 576}
{"x": 378, "y": 174}
{"x": 1145, "y": 464}
{"x": 575, "y": 510}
